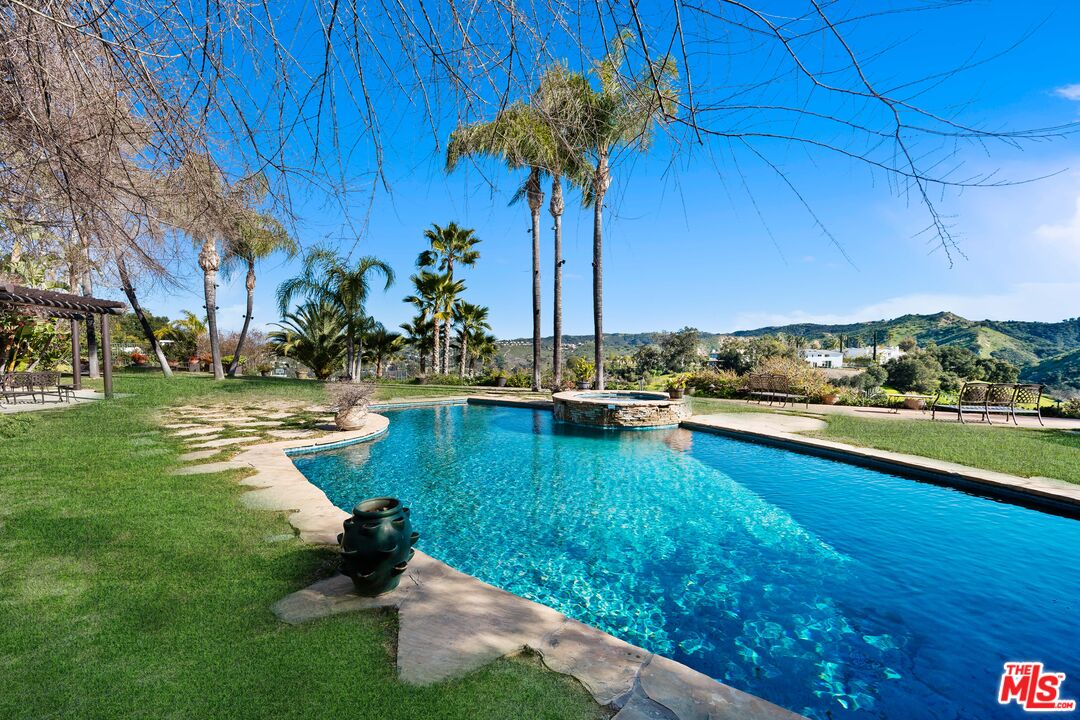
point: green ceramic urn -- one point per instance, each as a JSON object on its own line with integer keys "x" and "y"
{"x": 376, "y": 545}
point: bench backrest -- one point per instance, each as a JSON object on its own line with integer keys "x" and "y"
{"x": 1028, "y": 394}
{"x": 1001, "y": 394}
{"x": 974, "y": 392}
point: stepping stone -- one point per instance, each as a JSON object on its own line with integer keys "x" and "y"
{"x": 198, "y": 455}
{"x": 279, "y": 538}
{"x": 255, "y": 423}
{"x": 209, "y": 468}
{"x": 198, "y": 431}
{"x": 290, "y": 434}
{"x": 179, "y": 426}
{"x": 225, "y": 442}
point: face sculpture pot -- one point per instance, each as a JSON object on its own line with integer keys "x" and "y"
{"x": 376, "y": 545}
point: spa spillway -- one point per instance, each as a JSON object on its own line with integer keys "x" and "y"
{"x": 620, "y": 409}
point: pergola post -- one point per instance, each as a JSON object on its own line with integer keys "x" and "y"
{"x": 76, "y": 351}
{"x": 106, "y": 367}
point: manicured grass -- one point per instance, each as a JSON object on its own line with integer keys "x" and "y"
{"x": 1017, "y": 451}
{"x": 127, "y": 592}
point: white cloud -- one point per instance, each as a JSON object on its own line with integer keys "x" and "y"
{"x": 1064, "y": 238}
{"x": 1069, "y": 92}
{"x": 1046, "y": 301}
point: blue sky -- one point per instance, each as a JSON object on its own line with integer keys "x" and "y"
{"x": 685, "y": 240}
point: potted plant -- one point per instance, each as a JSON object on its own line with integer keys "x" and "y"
{"x": 829, "y": 395}
{"x": 139, "y": 359}
{"x": 193, "y": 363}
{"x": 583, "y": 371}
{"x": 677, "y": 385}
{"x": 350, "y": 402}
{"x": 500, "y": 378}
{"x": 301, "y": 374}
{"x": 264, "y": 369}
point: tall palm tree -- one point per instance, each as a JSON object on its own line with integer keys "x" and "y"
{"x": 327, "y": 276}
{"x": 484, "y": 349}
{"x": 518, "y": 137}
{"x": 253, "y": 237}
{"x": 206, "y": 206}
{"x": 313, "y": 334}
{"x": 620, "y": 115}
{"x": 382, "y": 346}
{"x": 471, "y": 321}
{"x": 450, "y": 245}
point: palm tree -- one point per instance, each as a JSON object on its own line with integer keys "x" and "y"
{"x": 420, "y": 334}
{"x": 450, "y": 245}
{"x": 435, "y": 297}
{"x": 327, "y": 277}
{"x": 484, "y": 349}
{"x": 185, "y": 333}
{"x": 207, "y": 207}
{"x": 382, "y": 346}
{"x": 618, "y": 115}
{"x": 253, "y": 237}
{"x": 313, "y": 334}
{"x": 471, "y": 321}
{"x": 518, "y": 137}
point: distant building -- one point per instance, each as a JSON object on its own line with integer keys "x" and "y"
{"x": 823, "y": 358}
{"x": 885, "y": 353}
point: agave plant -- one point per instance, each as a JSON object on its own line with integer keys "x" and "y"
{"x": 314, "y": 335}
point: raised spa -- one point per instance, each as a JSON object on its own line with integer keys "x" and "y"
{"x": 619, "y": 409}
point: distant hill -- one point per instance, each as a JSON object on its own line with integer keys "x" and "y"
{"x": 1045, "y": 352}
{"x": 1021, "y": 343}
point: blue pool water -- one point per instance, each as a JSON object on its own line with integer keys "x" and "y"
{"x": 830, "y": 589}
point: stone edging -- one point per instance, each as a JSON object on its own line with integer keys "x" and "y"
{"x": 451, "y": 623}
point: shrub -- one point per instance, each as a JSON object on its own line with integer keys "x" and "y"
{"x": 918, "y": 372}
{"x": 1069, "y": 408}
{"x": 714, "y": 383}
{"x": 802, "y": 377}
{"x": 346, "y": 395}
{"x": 519, "y": 379}
{"x": 581, "y": 368}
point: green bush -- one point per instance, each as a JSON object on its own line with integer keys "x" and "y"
{"x": 1068, "y": 409}
{"x": 714, "y": 383}
{"x": 519, "y": 379}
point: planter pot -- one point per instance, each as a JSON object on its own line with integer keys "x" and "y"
{"x": 193, "y": 366}
{"x": 350, "y": 418}
{"x": 301, "y": 375}
{"x": 376, "y": 545}
{"x": 584, "y": 386}
{"x": 675, "y": 393}
{"x": 914, "y": 404}
{"x": 829, "y": 399}
{"x": 500, "y": 382}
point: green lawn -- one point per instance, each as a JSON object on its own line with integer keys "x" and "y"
{"x": 1017, "y": 451}
{"x": 127, "y": 592}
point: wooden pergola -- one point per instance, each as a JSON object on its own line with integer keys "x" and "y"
{"x": 76, "y": 308}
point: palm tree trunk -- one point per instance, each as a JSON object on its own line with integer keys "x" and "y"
{"x": 600, "y": 186}
{"x": 210, "y": 261}
{"x": 557, "y": 206}
{"x": 536, "y": 199}
{"x": 446, "y": 348}
{"x": 438, "y": 347}
{"x": 350, "y": 350}
{"x": 464, "y": 351}
{"x": 247, "y": 319}
{"x": 133, "y": 300}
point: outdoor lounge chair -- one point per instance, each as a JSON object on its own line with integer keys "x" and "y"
{"x": 774, "y": 388}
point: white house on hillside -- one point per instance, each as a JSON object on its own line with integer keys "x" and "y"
{"x": 823, "y": 358}
{"x": 885, "y": 353}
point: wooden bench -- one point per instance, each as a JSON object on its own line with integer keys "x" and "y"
{"x": 774, "y": 388}
{"x": 986, "y": 399}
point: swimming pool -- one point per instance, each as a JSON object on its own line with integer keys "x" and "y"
{"x": 827, "y": 588}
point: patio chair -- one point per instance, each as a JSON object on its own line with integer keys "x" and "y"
{"x": 971, "y": 399}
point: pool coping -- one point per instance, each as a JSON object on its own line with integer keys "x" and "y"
{"x": 451, "y": 623}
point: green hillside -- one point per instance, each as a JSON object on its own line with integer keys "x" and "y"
{"x": 1061, "y": 372}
